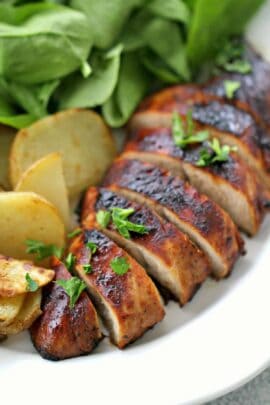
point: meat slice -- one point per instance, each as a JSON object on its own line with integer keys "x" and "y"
{"x": 129, "y": 303}
{"x": 231, "y": 125}
{"x": 194, "y": 213}
{"x": 254, "y": 93}
{"x": 165, "y": 252}
{"x": 231, "y": 184}
{"x": 62, "y": 332}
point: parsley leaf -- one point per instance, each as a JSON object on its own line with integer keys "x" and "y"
{"x": 231, "y": 58}
{"x": 73, "y": 287}
{"x": 70, "y": 261}
{"x": 184, "y": 136}
{"x": 124, "y": 227}
{"x": 87, "y": 268}
{"x": 74, "y": 233}
{"x": 231, "y": 86}
{"x": 217, "y": 153}
{"x": 103, "y": 218}
{"x": 41, "y": 250}
{"x": 92, "y": 246}
{"x": 120, "y": 265}
{"x": 32, "y": 285}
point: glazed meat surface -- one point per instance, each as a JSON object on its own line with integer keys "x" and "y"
{"x": 194, "y": 213}
{"x": 61, "y": 332}
{"x": 224, "y": 121}
{"x": 129, "y": 303}
{"x": 231, "y": 184}
{"x": 254, "y": 92}
{"x": 166, "y": 253}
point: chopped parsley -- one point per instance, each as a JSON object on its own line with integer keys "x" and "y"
{"x": 120, "y": 265}
{"x": 73, "y": 287}
{"x": 231, "y": 58}
{"x": 41, "y": 250}
{"x": 32, "y": 285}
{"x": 230, "y": 87}
{"x": 184, "y": 135}
{"x": 70, "y": 261}
{"x": 217, "y": 153}
{"x": 92, "y": 246}
{"x": 103, "y": 218}
{"x": 87, "y": 268}
{"x": 74, "y": 233}
{"x": 123, "y": 225}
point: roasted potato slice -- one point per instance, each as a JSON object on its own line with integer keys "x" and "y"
{"x": 7, "y": 136}
{"x": 82, "y": 138}
{"x": 9, "y": 308}
{"x": 29, "y": 312}
{"x": 26, "y": 216}
{"x": 46, "y": 178}
{"x": 13, "y": 273}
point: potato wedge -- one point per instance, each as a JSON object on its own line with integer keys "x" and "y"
{"x": 29, "y": 312}
{"x": 13, "y": 276}
{"x": 7, "y": 136}
{"x": 46, "y": 178}
{"x": 25, "y": 216}
{"x": 82, "y": 138}
{"x": 9, "y": 308}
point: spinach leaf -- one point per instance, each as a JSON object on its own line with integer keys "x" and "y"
{"x": 175, "y": 10}
{"x": 96, "y": 89}
{"x": 18, "y": 121}
{"x": 158, "y": 67}
{"x": 213, "y": 22}
{"x": 165, "y": 39}
{"x": 133, "y": 84}
{"x": 42, "y": 42}
{"x": 105, "y": 18}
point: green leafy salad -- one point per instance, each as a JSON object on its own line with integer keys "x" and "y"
{"x": 105, "y": 54}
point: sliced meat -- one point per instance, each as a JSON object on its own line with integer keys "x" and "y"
{"x": 253, "y": 95}
{"x": 194, "y": 213}
{"x": 62, "y": 332}
{"x": 231, "y": 125}
{"x": 231, "y": 184}
{"x": 165, "y": 252}
{"x": 129, "y": 303}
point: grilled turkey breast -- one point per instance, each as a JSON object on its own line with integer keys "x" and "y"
{"x": 195, "y": 214}
{"x": 61, "y": 332}
{"x": 231, "y": 184}
{"x": 231, "y": 125}
{"x": 129, "y": 303}
{"x": 166, "y": 253}
{"x": 254, "y": 93}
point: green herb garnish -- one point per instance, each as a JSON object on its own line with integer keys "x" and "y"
{"x": 92, "y": 246}
{"x": 87, "y": 268}
{"x": 230, "y": 87}
{"x": 74, "y": 233}
{"x": 217, "y": 153}
{"x": 120, "y": 265}
{"x": 231, "y": 59}
{"x": 32, "y": 285}
{"x": 70, "y": 261}
{"x": 103, "y": 218}
{"x": 124, "y": 227}
{"x": 184, "y": 135}
{"x": 41, "y": 250}
{"x": 73, "y": 287}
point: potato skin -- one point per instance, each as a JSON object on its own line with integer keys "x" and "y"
{"x": 61, "y": 332}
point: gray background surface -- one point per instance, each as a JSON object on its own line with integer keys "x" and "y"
{"x": 256, "y": 392}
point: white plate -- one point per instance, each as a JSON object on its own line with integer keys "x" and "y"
{"x": 211, "y": 346}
